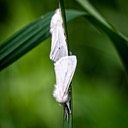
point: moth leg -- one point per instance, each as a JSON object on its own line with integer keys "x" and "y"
{"x": 67, "y": 110}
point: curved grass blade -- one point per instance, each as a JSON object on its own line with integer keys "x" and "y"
{"x": 29, "y": 37}
{"x": 119, "y": 40}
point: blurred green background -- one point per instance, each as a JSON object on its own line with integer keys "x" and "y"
{"x": 99, "y": 84}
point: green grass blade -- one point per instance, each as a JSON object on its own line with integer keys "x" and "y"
{"x": 120, "y": 41}
{"x": 29, "y": 37}
{"x": 68, "y": 116}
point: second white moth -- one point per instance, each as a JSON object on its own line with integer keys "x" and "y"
{"x": 64, "y": 71}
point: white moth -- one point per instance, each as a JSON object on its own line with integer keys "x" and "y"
{"x": 64, "y": 71}
{"x": 58, "y": 46}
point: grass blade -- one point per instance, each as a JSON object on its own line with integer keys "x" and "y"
{"x": 67, "y": 114}
{"x": 118, "y": 39}
{"x": 28, "y": 37}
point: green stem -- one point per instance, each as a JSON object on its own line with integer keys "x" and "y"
{"x": 67, "y": 106}
{"x": 61, "y": 2}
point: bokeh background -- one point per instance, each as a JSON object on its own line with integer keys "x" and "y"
{"x": 100, "y": 89}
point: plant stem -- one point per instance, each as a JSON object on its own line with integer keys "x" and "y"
{"x": 61, "y": 2}
{"x": 68, "y": 105}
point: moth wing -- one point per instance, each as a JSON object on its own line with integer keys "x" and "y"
{"x": 69, "y": 71}
{"x": 58, "y": 46}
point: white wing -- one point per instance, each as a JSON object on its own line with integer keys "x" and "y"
{"x": 58, "y": 46}
{"x": 64, "y": 70}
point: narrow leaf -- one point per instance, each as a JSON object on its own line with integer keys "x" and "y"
{"x": 29, "y": 37}
{"x": 119, "y": 40}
